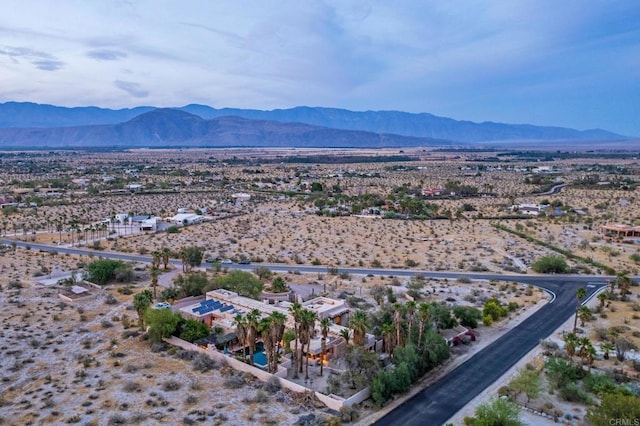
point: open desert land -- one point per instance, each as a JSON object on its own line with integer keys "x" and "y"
{"x": 96, "y": 362}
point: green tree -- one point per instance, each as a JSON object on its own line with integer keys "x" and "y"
{"x": 192, "y": 330}
{"x": 296, "y": 311}
{"x": 551, "y": 264}
{"x": 161, "y": 322}
{"x": 278, "y": 285}
{"x": 191, "y": 257}
{"x": 263, "y": 272}
{"x": 494, "y": 308}
{"x": 307, "y": 324}
{"x": 141, "y": 303}
{"x": 498, "y": 412}
{"x": 528, "y": 382}
{"x": 424, "y": 314}
{"x": 154, "y": 272}
{"x": 615, "y": 409}
{"x": 102, "y": 271}
{"x": 191, "y": 284}
{"x": 244, "y": 283}
{"x": 468, "y": 315}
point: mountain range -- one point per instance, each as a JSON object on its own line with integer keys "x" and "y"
{"x": 51, "y": 126}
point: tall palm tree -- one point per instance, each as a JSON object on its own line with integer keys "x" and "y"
{"x": 154, "y": 280}
{"x": 584, "y": 343}
{"x": 307, "y": 324}
{"x": 264, "y": 330}
{"x": 325, "y": 323}
{"x": 253, "y": 318}
{"x": 241, "y": 333}
{"x": 155, "y": 260}
{"x": 398, "y": 317}
{"x": 277, "y": 321}
{"x": 591, "y": 355}
{"x": 388, "y": 336}
{"x": 424, "y": 314}
{"x": 141, "y": 302}
{"x": 359, "y": 323}
{"x": 295, "y": 310}
{"x": 411, "y": 312}
{"x": 581, "y": 293}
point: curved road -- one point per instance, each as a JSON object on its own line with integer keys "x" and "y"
{"x": 440, "y": 401}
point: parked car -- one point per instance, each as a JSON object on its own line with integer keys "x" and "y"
{"x": 244, "y": 262}
{"x": 162, "y": 305}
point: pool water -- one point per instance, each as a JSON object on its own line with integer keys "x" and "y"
{"x": 260, "y": 359}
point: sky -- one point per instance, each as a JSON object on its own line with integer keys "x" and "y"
{"x": 570, "y": 63}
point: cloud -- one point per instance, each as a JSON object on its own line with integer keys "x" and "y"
{"x": 41, "y": 60}
{"x": 48, "y": 64}
{"x": 131, "y": 88}
{"x": 106, "y": 54}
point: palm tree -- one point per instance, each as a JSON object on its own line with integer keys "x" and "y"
{"x": 388, "y": 331}
{"x": 325, "y": 323}
{"x": 584, "y": 313}
{"x": 398, "y": 316}
{"x": 584, "y": 343}
{"x": 581, "y": 293}
{"x": 607, "y": 348}
{"x": 344, "y": 333}
{"x": 358, "y": 323}
{"x": 253, "y": 318}
{"x": 166, "y": 254}
{"x": 591, "y": 355}
{"x": 570, "y": 343}
{"x": 155, "y": 261}
{"x": 424, "y": 313}
{"x": 241, "y": 333}
{"x": 264, "y": 329}
{"x": 411, "y": 312}
{"x": 603, "y": 297}
{"x": 277, "y": 321}
{"x": 624, "y": 283}
{"x": 295, "y": 310}
{"x": 307, "y": 324}
{"x": 154, "y": 280}
{"x": 141, "y": 302}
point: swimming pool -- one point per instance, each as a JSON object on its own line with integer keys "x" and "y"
{"x": 260, "y": 359}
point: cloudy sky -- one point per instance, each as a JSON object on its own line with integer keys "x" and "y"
{"x": 573, "y": 63}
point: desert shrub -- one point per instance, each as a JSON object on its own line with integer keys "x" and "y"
{"x": 171, "y": 385}
{"x": 132, "y": 386}
{"x": 487, "y": 320}
{"x": 202, "y": 362}
{"x": 110, "y": 300}
{"x": 117, "y": 419}
{"x": 551, "y": 264}
{"x": 599, "y": 384}
{"x": 233, "y": 382}
{"x": 573, "y": 393}
{"x": 272, "y": 385}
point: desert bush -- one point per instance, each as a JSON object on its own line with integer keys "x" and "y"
{"x": 132, "y": 386}
{"x": 202, "y": 362}
{"x": 233, "y": 382}
{"x": 272, "y": 385}
{"x": 171, "y": 385}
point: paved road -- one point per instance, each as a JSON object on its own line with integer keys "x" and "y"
{"x": 440, "y": 401}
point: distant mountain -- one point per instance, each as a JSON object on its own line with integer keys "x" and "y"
{"x": 27, "y": 114}
{"x": 171, "y": 127}
{"x": 404, "y": 123}
{"x": 422, "y": 125}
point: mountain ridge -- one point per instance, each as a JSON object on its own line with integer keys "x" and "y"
{"x": 417, "y": 125}
{"x": 166, "y": 127}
